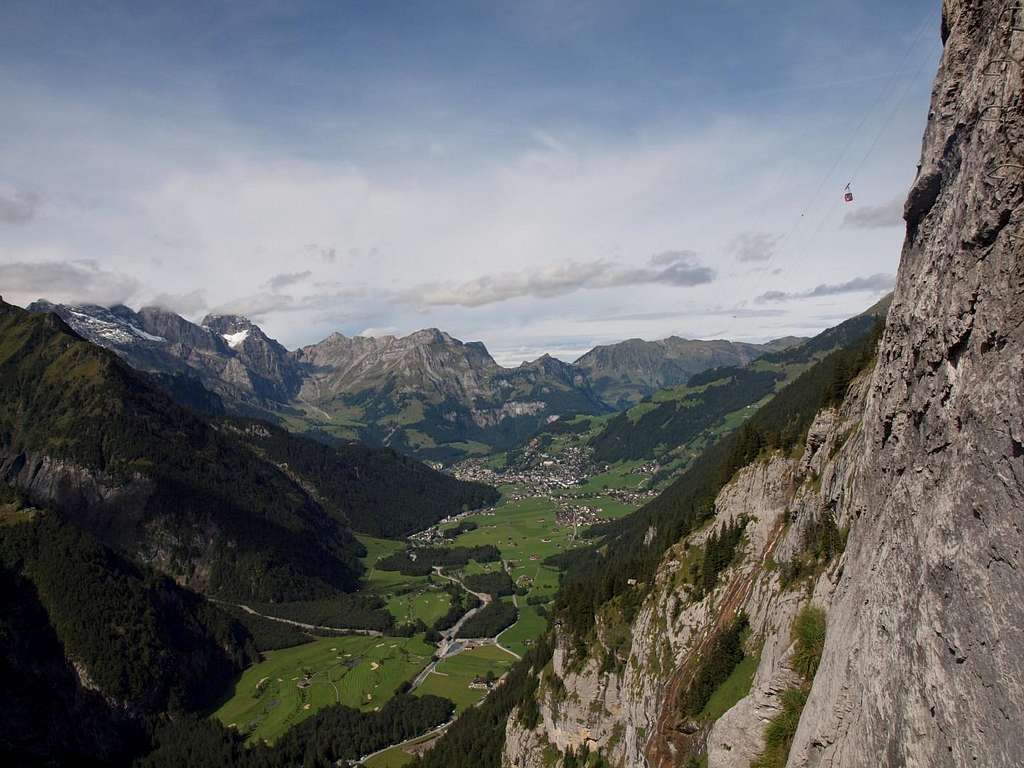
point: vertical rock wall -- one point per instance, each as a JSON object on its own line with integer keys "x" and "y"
{"x": 924, "y": 655}
{"x": 924, "y": 658}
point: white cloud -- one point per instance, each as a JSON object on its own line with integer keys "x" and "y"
{"x": 754, "y": 246}
{"x": 673, "y": 268}
{"x": 378, "y": 332}
{"x": 17, "y": 206}
{"x": 876, "y": 216}
{"x": 878, "y": 283}
{"x": 285, "y": 279}
{"x": 83, "y": 282}
{"x": 260, "y": 305}
{"x": 186, "y": 304}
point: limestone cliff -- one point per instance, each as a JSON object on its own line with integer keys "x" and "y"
{"x": 923, "y": 465}
{"x": 922, "y": 663}
{"x": 625, "y": 707}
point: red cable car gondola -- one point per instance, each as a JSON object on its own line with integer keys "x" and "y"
{"x": 848, "y": 194}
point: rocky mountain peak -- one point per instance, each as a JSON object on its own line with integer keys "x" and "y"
{"x": 430, "y": 336}
{"x": 224, "y": 324}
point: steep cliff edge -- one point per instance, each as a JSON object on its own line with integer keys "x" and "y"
{"x": 922, "y": 467}
{"x": 922, "y": 663}
{"x": 623, "y": 698}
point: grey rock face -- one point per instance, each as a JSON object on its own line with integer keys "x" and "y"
{"x": 923, "y": 657}
{"x": 925, "y": 463}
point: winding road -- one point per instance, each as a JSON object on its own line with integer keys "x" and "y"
{"x": 302, "y": 625}
{"x": 448, "y": 647}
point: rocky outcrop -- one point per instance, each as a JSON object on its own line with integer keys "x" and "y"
{"x": 922, "y": 663}
{"x": 621, "y": 698}
{"x": 923, "y": 465}
{"x": 118, "y": 511}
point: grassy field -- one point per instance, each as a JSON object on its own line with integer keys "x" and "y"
{"x": 406, "y": 596}
{"x": 453, "y": 676}
{"x": 618, "y": 476}
{"x": 428, "y": 604}
{"x": 361, "y": 672}
{"x": 376, "y": 580}
{"x": 395, "y": 757}
{"x": 526, "y": 532}
{"x": 529, "y": 627}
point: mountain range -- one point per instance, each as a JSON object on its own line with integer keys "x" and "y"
{"x": 231, "y": 507}
{"x": 631, "y": 370}
{"x": 427, "y": 394}
{"x": 831, "y": 579}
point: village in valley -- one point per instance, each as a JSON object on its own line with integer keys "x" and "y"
{"x": 551, "y": 496}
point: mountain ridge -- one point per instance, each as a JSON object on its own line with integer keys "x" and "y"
{"x": 427, "y": 393}
{"x": 83, "y": 433}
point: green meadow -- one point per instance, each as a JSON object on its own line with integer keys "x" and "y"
{"x": 528, "y": 628}
{"x": 427, "y": 604}
{"x": 395, "y": 757}
{"x": 452, "y": 677}
{"x": 291, "y": 684}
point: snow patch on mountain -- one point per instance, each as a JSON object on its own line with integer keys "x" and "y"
{"x": 234, "y": 339}
{"x": 107, "y": 327}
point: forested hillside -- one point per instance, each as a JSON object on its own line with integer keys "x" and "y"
{"x": 143, "y": 641}
{"x": 378, "y": 490}
{"x": 83, "y": 433}
{"x": 672, "y": 424}
{"x": 333, "y": 736}
{"x": 49, "y": 717}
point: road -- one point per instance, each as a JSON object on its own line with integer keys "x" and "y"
{"x": 448, "y": 647}
{"x": 414, "y": 740}
{"x": 432, "y": 732}
{"x": 302, "y": 625}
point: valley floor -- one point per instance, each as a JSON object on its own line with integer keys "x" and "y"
{"x": 539, "y": 515}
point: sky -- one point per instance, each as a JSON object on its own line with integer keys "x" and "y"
{"x": 542, "y": 176}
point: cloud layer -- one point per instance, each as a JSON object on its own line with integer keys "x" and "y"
{"x": 877, "y": 283}
{"x": 81, "y": 281}
{"x": 876, "y": 216}
{"x": 17, "y": 206}
{"x": 277, "y": 282}
{"x": 670, "y": 268}
{"x": 206, "y": 161}
{"x": 754, "y": 246}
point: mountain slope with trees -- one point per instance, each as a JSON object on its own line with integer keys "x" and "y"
{"x": 102, "y": 445}
{"x": 675, "y": 425}
{"x": 623, "y": 374}
{"x": 144, "y": 642}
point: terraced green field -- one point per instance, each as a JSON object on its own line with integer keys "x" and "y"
{"x": 292, "y": 684}
{"x": 453, "y": 676}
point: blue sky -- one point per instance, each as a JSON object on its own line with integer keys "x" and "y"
{"x": 539, "y": 175}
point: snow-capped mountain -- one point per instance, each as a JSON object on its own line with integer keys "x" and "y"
{"x": 427, "y": 393}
